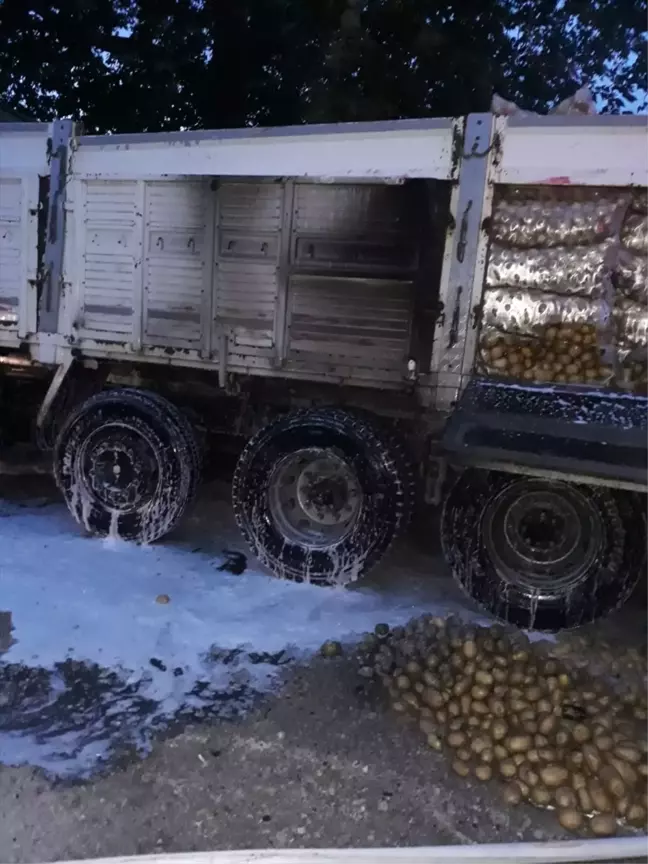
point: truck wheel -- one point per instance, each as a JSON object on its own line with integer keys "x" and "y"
{"x": 543, "y": 554}
{"x": 320, "y": 495}
{"x": 127, "y": 464}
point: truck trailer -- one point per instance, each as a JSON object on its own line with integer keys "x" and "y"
{"x": 377, "y": 318}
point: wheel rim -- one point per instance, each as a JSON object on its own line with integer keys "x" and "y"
{"x": 543, "y": 537}
{"x": 120, "y": 468}
{"x": 314, "y": 497}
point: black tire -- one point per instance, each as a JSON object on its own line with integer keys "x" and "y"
{"x": 373, "y": 470}
{"x": 595, "y": 535}
{"x": 157, "y": 454}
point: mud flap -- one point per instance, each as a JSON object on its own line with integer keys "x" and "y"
{"x": 574, "y": 431}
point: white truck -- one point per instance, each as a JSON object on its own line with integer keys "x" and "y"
{"x": 379, "y": 316}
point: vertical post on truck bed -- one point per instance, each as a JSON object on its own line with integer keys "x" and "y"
{"x": 454, "y": 341}
{"x": 62, "y": 132}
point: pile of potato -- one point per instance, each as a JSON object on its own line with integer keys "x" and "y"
{"x": 563, "y": 353}
{"x": 505, "y": 710}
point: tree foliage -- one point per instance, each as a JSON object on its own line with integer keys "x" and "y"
{"x": 163, "y": 64}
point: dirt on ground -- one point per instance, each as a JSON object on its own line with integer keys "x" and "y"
{"x": 322, "y": 765}
{"x": 320, "y": 761}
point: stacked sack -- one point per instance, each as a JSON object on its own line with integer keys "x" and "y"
{"x": 547, "y": 313}
{"x": 631, "y": 306}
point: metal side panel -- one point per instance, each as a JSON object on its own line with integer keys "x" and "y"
{"x": 108, "y": 240}
{"x": 570, "y": 150}
{"x": 353, "y": 257}
{"x": 246, "y": 283}
{"x": 176, "y": 251}
{"x": 12, "y": 250}
{"x": 18, "y": 253}
{"x": 360, "y": 322}
{"x": 406, "y": 148}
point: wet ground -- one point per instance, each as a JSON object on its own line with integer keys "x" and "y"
{"x": 171, "y": 698}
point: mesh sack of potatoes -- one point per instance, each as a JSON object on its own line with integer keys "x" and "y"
{"x": 633, "y": 373}
{"x": 503, "y": 709}
{"x": 632, "y": 344}
{"x": 529, "y": 313}
{"x": 639, "y": 201}
{"x": 526, "y": 219}
{"x": 634, "y": 233}
{"x": 631, "y": 277}
{"x": 583, "y": 271}
{"x": 545, "y": 338}
{"x": 632, "y": 326}
{"x": 564, "y": 354}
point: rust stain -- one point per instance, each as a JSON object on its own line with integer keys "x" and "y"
{"x": 558, "y": 181}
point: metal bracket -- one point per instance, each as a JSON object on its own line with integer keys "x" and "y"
{"x": 52, "y": 269}
{"x": 53, "y": 390}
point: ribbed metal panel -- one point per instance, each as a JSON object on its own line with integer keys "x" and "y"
{"x": 174, "y": 261}
{"x": 354, "y": 251}
{"x": 358, "y": 321}
{"x": 247, "y": 250}
{"x": 351, "y": 209}
{"x": 250, "y": 207}
{"x": 110, "y": 247}
{"x": 12, "y": 251}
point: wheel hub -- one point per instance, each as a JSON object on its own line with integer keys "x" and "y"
{"x": 314, "y": 497}
{"x": 121, "y": 468}
{"x": 543, "y": 536}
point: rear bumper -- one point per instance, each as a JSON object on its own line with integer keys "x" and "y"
{"x": 589, "y": 435}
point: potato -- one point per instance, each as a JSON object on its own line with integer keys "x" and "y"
{"x": 480, "y": 743}
{"x": 399, "y": 707}
{"x": 461, "y": 768}
{"x": 592, "y": 758}
{"x": 441, "y": 716}
{"x": 463, "y": 754}
{"x": 410, "y": 700}
{"x": 518, "y": 743}
{"x": 600, "y": 799}
{"x": 603, "y": 825}
{"x": 636, "y": 816}
{"x": 500, "y": 364}
{"x": 484, "y": 677}
{"x": 541, "y": 796}
{"x": 612, "y": 781}
{"x": 453, "y": 708}
{"x": 628, "y": 753}
{"x": 434, "y": 741}
{"x": 500, "y": 752}
{"x": 487, "y": 755}
{"x": 570, "y": 819}
{"x": 584, "y": 800}
{"x": 565, "y": 797}
{"x": 578, "y": 780}
{"x": 603, "y": 742}
{"x": 456, "y": 739}
{"x": 528, "y": 775}
{"x": 547, "y": 723}
{"x": 554, "y": 775}
{"x": 512, "y": 793}
{"x": 483, "y": 771}
{"x": 627, "y": 773}
{"x": 507, "y": 768}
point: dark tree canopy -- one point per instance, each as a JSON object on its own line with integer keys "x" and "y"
{"x": 130, "y": 65}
